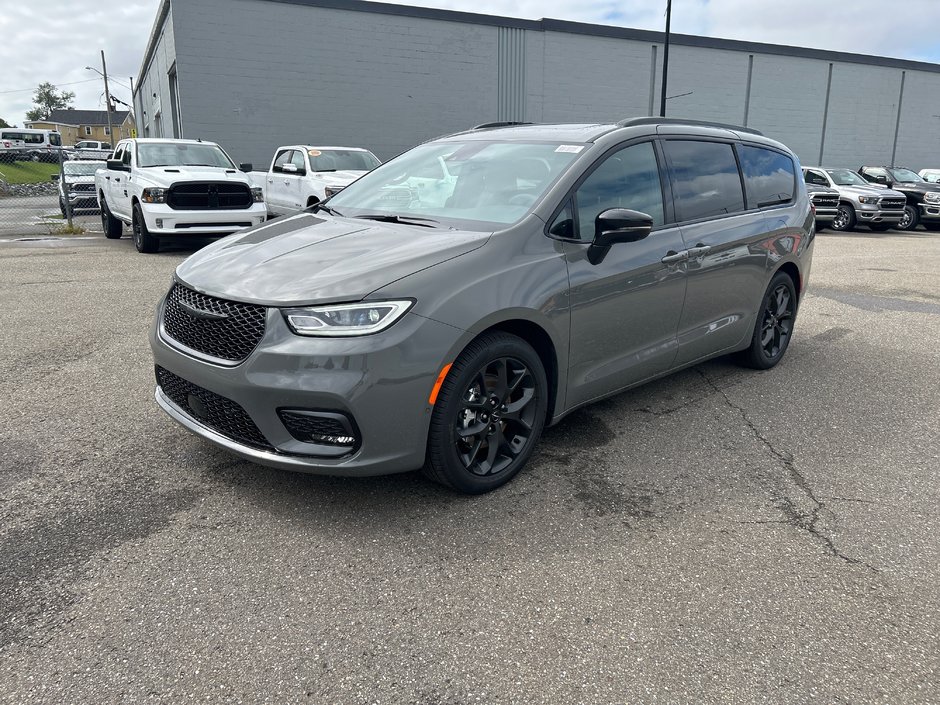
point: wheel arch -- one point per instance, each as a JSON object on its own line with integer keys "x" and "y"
{"x": 792, "y": 271}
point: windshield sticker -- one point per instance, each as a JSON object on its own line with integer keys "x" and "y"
{"x": 570, "y": 148}
{"x": 314, "y": 152}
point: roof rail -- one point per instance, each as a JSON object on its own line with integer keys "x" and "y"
{"x": 631, "y": 122}
{"x": 487, "y": 125}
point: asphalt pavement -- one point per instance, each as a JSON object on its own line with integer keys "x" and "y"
{"x": 720, "y": 536}
{"x": 34, "y": 216}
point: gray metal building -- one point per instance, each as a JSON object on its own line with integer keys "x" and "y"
{"x": 254, "y": 74}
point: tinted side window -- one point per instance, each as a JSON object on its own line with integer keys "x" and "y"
{"x": 768, "y": 176}
{"x": 55, "y": 139}
{"x": 628, "y": 178}
{"x": 705, "y": 177}
{"x": 814, "y": 177}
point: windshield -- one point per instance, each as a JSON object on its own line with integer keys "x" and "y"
{"x": 182, "y": 154}
{"x": 905, "y": 176}
{"x": 846, "y": 177}
{"x": 484, "y": 182}
{"x": 82, "y": 168}
{"x": 342, "y": 160}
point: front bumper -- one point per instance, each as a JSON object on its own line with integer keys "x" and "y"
{"x": 873, "y": 214}
{"x": 930, "y": 211}
{"x": 163, "y": 221}
{"x": 826, "y": 215}
{"x": 83, "y": 201}
{"x": 381, "y": 382}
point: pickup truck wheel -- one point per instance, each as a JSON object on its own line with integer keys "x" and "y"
{"x": 910, "y": 219}
{"x": 62, "y": 208}
{"x": 845, "y": 218}
{"x": 113, "y": 228}
{"x": 143, "y": 240}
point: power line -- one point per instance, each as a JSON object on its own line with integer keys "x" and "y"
{"x": 57, "y": 85}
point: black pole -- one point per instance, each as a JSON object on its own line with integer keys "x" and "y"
{"x": 662, "y": 102}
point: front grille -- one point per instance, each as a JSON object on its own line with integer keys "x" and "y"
{"x": 893, "y": 204}
{"x": 825, "y": 200}
{"x": 323, "y": 427}
{"x": 228, "y": 330}
{"x": 83, "y": 187}
{"x": 206, "y": 195}
{"x": 222, "y": 415}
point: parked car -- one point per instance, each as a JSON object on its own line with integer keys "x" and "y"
{"x": 825, "y": 202}
{"x": 11, "y": 150}
{"x": 78, "y": 187}
{"x": 39, "y": 145}
{"x": 91, "y": 149}
{"x": 163, "y": 187}
{"x": 392, "y": 328}
{"x": 860, "y": 203}
{"x": 301, "y": 175}
{"x": 923, "y": 198}
{"x": 930, "y": 175}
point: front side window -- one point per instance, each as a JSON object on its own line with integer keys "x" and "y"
{"x": 628, "y": 178}
{"x": 768, "y": 176}
{"x": 55, "y": 139}
{"x": 297, "y": 159}
{"x": 705, "y": 178}
{"x": 814, "y": 177}
{"x": 342, "y": 160}
{"x": 474, "y": 184}
{"x": 182, "y": 154}
{"x": 283, "y": 157}
{"x": 905, "y": 176}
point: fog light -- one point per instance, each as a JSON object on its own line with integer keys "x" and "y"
{"x": 159, "y": 222}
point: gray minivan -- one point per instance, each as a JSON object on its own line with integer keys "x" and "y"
{"x": 441, "y": 310}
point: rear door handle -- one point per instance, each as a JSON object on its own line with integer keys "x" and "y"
{"x": 699, "y": 250}
{"x": 672, "y": 257}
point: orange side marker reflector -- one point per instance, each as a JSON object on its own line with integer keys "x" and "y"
{"x": 438, "y": 383}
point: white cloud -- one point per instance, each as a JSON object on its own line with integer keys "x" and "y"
{"x": 54, "y": 41}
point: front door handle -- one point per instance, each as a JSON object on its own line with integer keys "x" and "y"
{"x": 672, "y": 257}
{"x": 699, "y": 250}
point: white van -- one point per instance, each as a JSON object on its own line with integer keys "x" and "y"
{"x": 41, "y": 145}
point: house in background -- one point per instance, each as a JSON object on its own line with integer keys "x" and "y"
{"x": 77, "y": 125}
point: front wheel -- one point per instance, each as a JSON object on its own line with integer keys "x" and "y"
{"x": 774, "y": 325}
{"x": 488, "y": 415}
{"x": 845, "y": 218}
{"x": 143, "y": 240}
{"x": 910, "y": 219}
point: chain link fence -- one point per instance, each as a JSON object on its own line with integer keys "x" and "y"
{"x": 32, "y": 203}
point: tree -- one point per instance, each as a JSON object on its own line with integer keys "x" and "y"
{"x": 46, "y": 99}
{"x": 4, "y": 123}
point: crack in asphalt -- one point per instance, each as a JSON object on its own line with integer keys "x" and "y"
{"x": 808, "y": 522}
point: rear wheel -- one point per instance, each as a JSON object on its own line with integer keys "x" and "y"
{"x": 143, "y": 240}
{"x": 910, "y": 219}
{"x": 112, "y": 227}
{"x": 845, "y": 218}
{"x": 774, "y": 325}
{"x": 488, "y": 415}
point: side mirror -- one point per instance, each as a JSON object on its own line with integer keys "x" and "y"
{"x": 246, "y": 166}
{"x": 289, "y": 169}
{"x": 617, "y": 225}
{"x": 115, "y": 165}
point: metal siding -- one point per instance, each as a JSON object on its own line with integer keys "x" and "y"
{"x": 511, "y": 63}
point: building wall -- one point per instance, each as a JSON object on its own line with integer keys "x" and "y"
{"x": 255, "y": 74}
{"x": 152, "y": 97}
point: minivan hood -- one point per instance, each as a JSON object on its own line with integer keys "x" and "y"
{"x": 307, "y": 259}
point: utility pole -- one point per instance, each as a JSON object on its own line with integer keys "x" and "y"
{"x": 133, "y": 111}
{"x": 662, "y": 102}
{"x": 107, "y": 97}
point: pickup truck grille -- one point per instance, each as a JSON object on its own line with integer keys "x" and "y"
{"x": 893, "y": 203}
{"x": 206, "y": 195}
{"x": 83, "y": 188}
{"x": 228, "y": 330}
{"x": 825, "y": 200}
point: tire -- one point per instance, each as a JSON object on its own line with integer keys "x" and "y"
{"x": 910, "y": 219}
{"x": 498, "y": 386}
{"x": 774, "y": 326}
{"x": 62, "y": 208}
{"x": 932, "y": 226}
{"x": 113, "y": 228}
{"x": 880, "y": 227}
{"x": 845, "y": 219}
{"x": 143, "y": 240}
{"x": 312, "y": 201}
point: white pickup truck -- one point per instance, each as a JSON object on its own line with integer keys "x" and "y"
{"x": 302, "y": 175}
{"x": 163, "y": 188}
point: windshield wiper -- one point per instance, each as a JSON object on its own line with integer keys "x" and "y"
{"x": 324, "y": 207}
{"x": 394, "y": 218}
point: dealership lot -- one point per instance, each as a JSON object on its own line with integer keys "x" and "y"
{"x": 721, "y": 535}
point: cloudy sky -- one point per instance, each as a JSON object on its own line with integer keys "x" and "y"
{"x": 54, "y": 40}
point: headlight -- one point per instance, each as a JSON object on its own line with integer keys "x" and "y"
{"x": 932, "y": 197}
{"x": 153, "y": 195}
{"x": 346, "y": 319}
{"x": 257, "y": 194}
{"x": 869, "y": 199}
{"x": 332, "y": 190}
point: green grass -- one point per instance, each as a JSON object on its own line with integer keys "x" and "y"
{"x": 27, "y": 172}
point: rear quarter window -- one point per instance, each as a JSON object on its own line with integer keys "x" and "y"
{"x": 705, "y": 178}
{"x": 769, "y": 176}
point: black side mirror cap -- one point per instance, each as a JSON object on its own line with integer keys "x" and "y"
{"x": 54, "y": 177}
{"x": 246, "y": 166}
{"x": 115, "y": 165}
{"x": 617, "y": 225}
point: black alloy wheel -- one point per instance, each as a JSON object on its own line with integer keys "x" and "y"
{"x": 113, "y": 228}
{"x": 910, "y": 219}
{"x": 488, "y": 415}
{"x": 143, "y": 240}
{"x": 774, "y": 326}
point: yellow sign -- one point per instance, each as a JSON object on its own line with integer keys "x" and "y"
{"x": 133, "y": 134}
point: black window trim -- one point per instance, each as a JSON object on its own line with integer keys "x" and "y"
{"x": 570, "y": 195}
{"x": 704, "y": 138}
